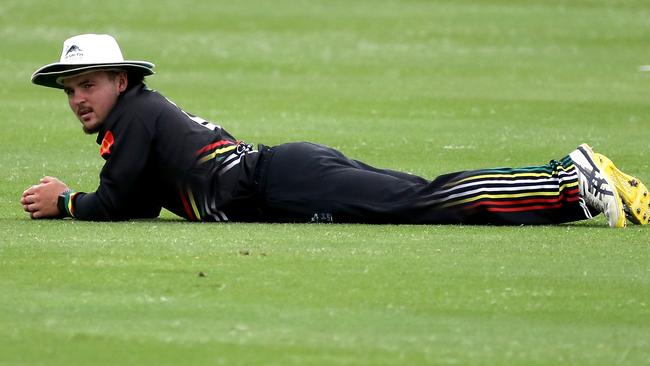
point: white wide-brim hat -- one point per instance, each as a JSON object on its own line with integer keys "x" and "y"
{"x": 85, "y": 53}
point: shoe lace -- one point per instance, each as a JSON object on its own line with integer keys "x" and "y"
{"x": 594, "y": 187}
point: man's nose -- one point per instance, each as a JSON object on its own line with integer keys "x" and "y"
{"x": 78, "y": 98}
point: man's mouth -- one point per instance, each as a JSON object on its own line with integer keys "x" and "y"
{"x": 84, "y": 114}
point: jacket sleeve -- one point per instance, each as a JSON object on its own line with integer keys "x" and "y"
{"x": 123, "y": 192}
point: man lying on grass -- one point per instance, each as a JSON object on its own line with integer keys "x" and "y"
{"x": 158, "y": 155}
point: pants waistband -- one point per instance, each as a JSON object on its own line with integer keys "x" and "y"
{"x": 263, "y": 162}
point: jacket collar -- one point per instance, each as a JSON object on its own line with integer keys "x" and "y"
{"x": 118, "y": 110}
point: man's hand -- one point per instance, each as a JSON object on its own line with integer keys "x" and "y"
{"x": 40, "y": 200}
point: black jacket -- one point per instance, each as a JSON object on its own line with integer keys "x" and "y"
{"x": 157, "y": 156}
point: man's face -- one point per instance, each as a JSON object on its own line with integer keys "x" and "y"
{"x": 92, "y": 96}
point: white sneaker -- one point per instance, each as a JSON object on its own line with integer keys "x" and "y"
{"x": 597, "y": 187}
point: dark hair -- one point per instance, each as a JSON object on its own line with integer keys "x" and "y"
{"x": 134, "y": 77}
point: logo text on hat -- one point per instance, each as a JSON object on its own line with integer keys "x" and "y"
{"x": 74, "y": 51}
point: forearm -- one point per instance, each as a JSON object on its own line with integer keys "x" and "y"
{"x": 93, "y": 207}
{"x": 88, "y": 206}
{"x": 51, "y": 199}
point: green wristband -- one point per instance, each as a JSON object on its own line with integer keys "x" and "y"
{"x": 63, "y": 203}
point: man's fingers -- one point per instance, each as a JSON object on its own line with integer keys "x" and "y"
{"x": 30, "y": 206}
{"x": 31, "y": 190}
{"x": 40, "y": 200}
{"x": 34, "y": 210}
{"x": 31, "y": 209}
{"x": 26, "y": 200}
{"x": 30, "y": 202}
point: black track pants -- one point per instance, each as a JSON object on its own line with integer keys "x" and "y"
{"x": 302, "y": 182}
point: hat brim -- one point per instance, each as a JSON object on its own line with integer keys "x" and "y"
{"x": 49, "y": 74}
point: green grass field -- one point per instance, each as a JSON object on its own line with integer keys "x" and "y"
{"x": 427, "y": 87}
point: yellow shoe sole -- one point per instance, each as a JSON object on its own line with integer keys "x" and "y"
{"x": 632, "y": 191}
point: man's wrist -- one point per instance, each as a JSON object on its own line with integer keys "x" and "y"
{"x": 64, "y": 203}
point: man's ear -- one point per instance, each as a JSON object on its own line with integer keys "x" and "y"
{"x": 122, "y": 81}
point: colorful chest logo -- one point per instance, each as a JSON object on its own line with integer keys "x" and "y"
{"x": 107, "y": 143}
